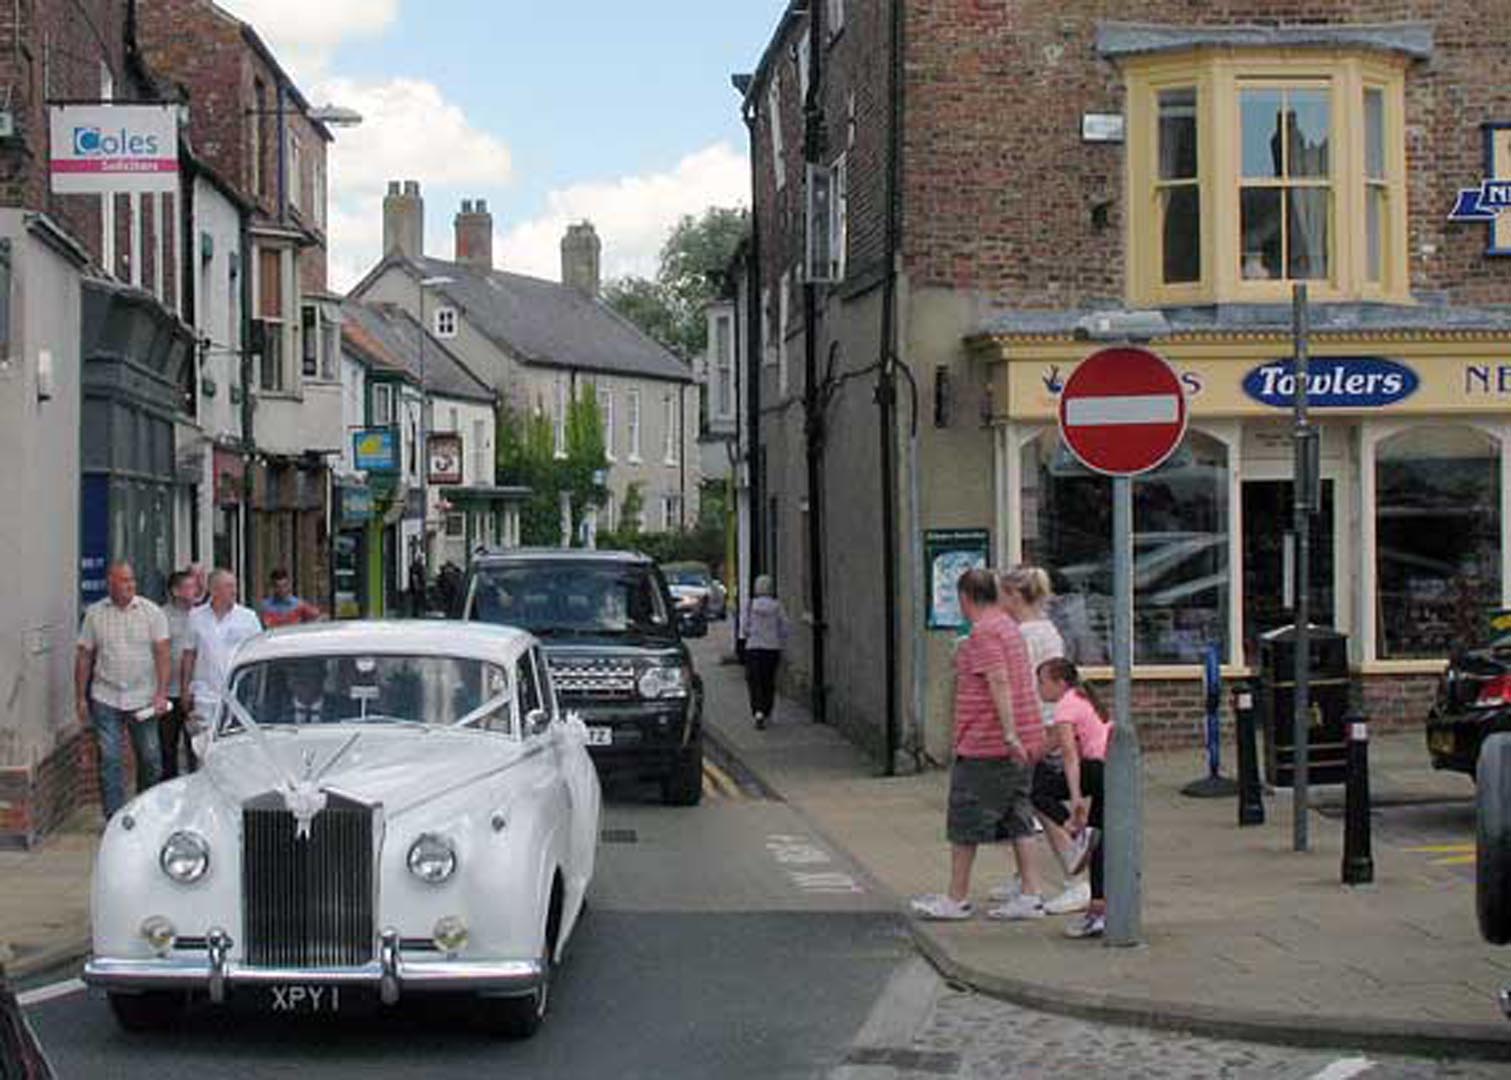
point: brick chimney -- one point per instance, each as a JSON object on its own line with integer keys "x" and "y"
{"x": 474, "y": 235}
{"x": 404, "y": 219}
{"x": 580, "y": 251}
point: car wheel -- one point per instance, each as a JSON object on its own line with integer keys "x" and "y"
{"x": 521, "y": 1017}
{"x": 150, "y": 1011}
{"x": 684, "y": 785}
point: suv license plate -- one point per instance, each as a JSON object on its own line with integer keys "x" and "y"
{"x": 299, "y": 999}
{"x": 600, "y": 736}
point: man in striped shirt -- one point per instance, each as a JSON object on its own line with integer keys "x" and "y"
{"x": 121, "y": 683}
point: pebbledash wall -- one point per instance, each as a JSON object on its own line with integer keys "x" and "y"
{"x": 1021, "y": 225}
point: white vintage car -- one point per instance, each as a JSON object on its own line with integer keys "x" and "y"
{"x": 383, "y": 810}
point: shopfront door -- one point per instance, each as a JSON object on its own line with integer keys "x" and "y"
{"x": 1269, "y": 574}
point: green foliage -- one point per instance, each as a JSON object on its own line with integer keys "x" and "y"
{"x": 631, "y": 509}
{"x": 527, "y": 457}
{"x": 704, "y": 544}
{"x": 694, "y": 261}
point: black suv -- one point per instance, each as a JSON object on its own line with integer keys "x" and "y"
{"x": 609, "y": 630}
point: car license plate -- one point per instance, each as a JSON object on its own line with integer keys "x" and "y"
{"x": 302, "y": 999}
{"x": 600, "y": 736}
{"x": 1442, "y": 742}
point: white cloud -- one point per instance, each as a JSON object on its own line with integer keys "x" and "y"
{"x": 409, "y": 131}
{"x": 302, "y": 33}
{"x": 632, "y": 214}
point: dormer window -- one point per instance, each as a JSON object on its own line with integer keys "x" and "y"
{"x": 445, "y": 322}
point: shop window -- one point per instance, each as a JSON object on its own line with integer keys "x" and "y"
{"x": 1437, "y": 539}
{"x": 1180, "y": 573}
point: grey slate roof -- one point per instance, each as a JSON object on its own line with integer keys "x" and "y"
{"x": 1412, "y": 39}
{"x": 555, "y": 325}
{"x": 388, "y": 337}
{"x": 1357, "y": 318}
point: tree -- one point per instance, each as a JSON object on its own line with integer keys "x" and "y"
{"x": 693, "y": 264}
{"x": 527, "y": 457}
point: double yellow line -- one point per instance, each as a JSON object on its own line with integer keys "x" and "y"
{"x": 718, "y": 783}
{"x": 1448, "y": 854}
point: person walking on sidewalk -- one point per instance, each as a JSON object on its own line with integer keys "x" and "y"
{"x": 121, "y": 683}
{"x": 763, "y": 626}
{"x": 217, "y": 629}
{"x": 173, "y": 725}
{"x": 999, "y": 734}
{"x": 1082, "y": 730}
{"x": 282, "y": 607}
{"x": 1026, "y": 593}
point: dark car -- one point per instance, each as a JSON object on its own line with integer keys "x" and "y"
{"x": 609, "y": 629}
{"x": 1473, "y": 702}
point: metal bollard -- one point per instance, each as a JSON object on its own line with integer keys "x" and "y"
{"x": 1250, "y": 795}
{"x": 1358, "y": 864}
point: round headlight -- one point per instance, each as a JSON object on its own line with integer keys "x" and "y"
{"x": 185, "y": 856}
{"x": 432, "y": 858}
{"x": 659, "y": 682}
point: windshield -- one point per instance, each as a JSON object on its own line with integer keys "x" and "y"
{"x": 684, "y": 575}
{"x": 437, "y": 690}
{"x": 548, "y": 599}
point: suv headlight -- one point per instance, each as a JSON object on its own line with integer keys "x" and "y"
{"x": 432, "y": 859}
{"x": 665, "y": 682}
{"x": 185, "y": 856}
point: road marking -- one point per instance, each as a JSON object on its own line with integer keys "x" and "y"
{"x": 1455, "y": 860}
{"x": 721, "y": 779}
{"x": 47, "y": 993}
{"x": 1344, "y": 1068}
{"x": 1443, "y": 849}
{"x": 792, "y": 851}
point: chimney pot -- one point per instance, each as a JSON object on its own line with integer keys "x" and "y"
{"x": 393, "y": 187}
{"x": 404, "y": 220}
{"x": 411, "y": 187}
{"x": 581, "y": 253}
{"x": 474, "y": 235}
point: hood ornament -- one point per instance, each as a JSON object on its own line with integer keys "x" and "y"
{"x": 304, "y": 800}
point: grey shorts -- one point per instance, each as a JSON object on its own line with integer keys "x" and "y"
{"x": 989, "y": 801}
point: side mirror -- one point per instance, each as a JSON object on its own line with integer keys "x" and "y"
{"x": 537, "y": 721}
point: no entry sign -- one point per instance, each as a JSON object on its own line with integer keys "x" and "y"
{"x": 1122, "y": 411}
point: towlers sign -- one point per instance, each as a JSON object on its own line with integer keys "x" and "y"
{"x": 1343, "y": 382}
{"x": 109, "y": 149}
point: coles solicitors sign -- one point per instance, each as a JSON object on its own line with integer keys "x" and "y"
{"x": 110, "y": 149}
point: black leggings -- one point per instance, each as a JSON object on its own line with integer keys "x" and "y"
{"x": 760, "y": 677}
{"x": 1050, "y": 791}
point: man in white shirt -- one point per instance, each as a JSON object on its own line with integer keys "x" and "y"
{"x": 216, "y": 629}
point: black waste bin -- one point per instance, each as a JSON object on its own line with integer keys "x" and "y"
{"x": 1327, "y": 743}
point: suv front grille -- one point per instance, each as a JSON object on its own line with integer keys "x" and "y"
{"x": 596, "y": 679}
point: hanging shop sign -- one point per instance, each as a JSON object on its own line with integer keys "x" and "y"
{"x": 1334, "y": 382}
{"x": 356, "y": 504}
{"x": 444, "y": 455}
{"x": 110, "y": 149}
{"x": 375, "y": 450}
{"x": 1490, "y": 202}
{"x": 948, "y": 553}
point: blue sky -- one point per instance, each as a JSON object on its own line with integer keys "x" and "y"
{"x": 616, "y": 111}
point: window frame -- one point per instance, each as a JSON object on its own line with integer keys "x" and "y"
{"x": 559, "y": 418}
{"x": 605, "y": 395}
{"x": 444, "y": 322}
{"x": 774, "y": 122}
{"x": 633, "y": 423}
{"x": 384, "y": 417}
{"x": 671, "y": 415}
{"x": 1218, "y": 79}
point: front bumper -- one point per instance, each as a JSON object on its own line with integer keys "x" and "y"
{"x": 392, "y": 975}
{"x": 644, "y": 735}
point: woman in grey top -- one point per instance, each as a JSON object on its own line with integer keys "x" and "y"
{"x": 763, "y": 628}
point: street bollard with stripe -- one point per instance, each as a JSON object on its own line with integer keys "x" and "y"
{"x": 1358, "y": 863}
{"x": 1250, "y": 792}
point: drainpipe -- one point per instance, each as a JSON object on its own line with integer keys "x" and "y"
{"x": 886, "y": 386}
{"x": 753, "y": 374}
{"x": 245, "y": 268}
{"x": 813, "y": 409}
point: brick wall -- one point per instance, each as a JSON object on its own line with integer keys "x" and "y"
{"x": 36, "y": 800}
{"x": 1000, "y": 191}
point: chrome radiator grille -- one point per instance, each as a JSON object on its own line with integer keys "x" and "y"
{"x": 307, "y": 901}
{"x": 599, "y": 679}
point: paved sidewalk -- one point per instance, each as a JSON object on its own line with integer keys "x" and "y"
{"x": 1245, "y": 937}
{"x": 44, "y": 898}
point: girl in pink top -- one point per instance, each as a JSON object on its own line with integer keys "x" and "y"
{"x": 1081, "y": 730}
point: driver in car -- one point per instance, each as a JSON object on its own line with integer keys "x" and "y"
{"x": 309, "y": 703}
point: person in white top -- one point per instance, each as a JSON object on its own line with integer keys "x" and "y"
{"x": 764, "y": 628}
{"x": 1025, "y": 593}
{"x": 216, "y": 629}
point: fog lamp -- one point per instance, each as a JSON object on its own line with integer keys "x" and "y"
{"x": 450, "y": 935}
{"x": 158, "y": 932}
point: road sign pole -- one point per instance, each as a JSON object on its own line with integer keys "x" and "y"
{"x": 1124, "y": 819}
{"x": 1301, "y": 502}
